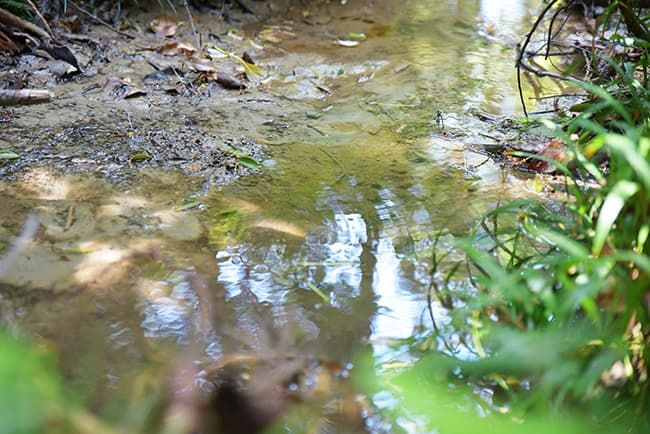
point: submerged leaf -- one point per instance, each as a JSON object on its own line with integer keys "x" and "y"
{"x": 249, "y": 162}
{"x": 140, "y": 157}
{"x": 188, "y": 204}
{"x": 357, "y": 36}
{"x": 281, "y": 226}
{"x": 8, "y": 155}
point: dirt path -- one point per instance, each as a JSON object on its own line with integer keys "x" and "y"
{"x": 148, "y": 102}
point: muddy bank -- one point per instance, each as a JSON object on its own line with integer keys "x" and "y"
{"x": 131, "y": 105}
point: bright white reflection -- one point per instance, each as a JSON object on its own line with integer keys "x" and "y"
{"x": 170, "y": 310}
{"x": 499, "y": 11}
{"x": 399, "y": 311}
{"x": 345, "y": 252}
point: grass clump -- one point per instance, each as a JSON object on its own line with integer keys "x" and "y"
{"x": 552, "y": 318}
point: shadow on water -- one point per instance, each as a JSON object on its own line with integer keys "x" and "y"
{"x": 325, "y": 252}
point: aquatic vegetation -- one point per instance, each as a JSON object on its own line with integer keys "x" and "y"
{"x": 554, "y": 317}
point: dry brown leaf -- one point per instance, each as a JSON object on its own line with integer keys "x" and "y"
{"x": 201, "y": 65}
{"x": 175, "y": 48}
{"x": 554, "y": 150}
{"x": 120, "y": 89}
{"x": 164, "y": 26}
{"x": 204, "y": 68}
{"x": 70, "y": 23}
{"x": 210, "y": 72}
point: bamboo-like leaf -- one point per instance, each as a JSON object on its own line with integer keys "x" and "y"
{"x": 8, "y": 155}
{"x": 572, "y": 247}
{"x": 249, "y": 162}
{"x": 610, "y": 210}
{"x": 625, "y": 147}
{"x": 609, "y": 99}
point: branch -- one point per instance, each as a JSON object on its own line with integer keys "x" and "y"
{"x": 99, "y": 20}
{"x": 13, "y": 21}
{"x": 24, "y": 97}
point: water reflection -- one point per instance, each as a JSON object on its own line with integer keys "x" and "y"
{"x": 363, "y": 178}
{"x": 370, "y": 197}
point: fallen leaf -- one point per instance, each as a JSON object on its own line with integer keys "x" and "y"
{"x": 249, "y": 162}
{"x": 164, "y": 26}
{"x": 163, "y": 74}
{"x": 175, "y": 48}
{"x": 70, "y": 23}
{"x": 357, "y": 36}
{"x": 8, "y": 155}
{"x": 140, "y": 157}
{"x": 201, "y": 65}
{"x": 204, "y": 68}
{"x": 346, "y": 43}
{"x": 120, "y": 89}
{"x": 249, "y": 67}
{"x": 554, "y": 149}
{"x": 246, "y": 57}
{"x": 228, "y": 82}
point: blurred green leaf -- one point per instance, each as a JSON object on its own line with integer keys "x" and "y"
{"x": 614, "y": 202}
{"x": 29, "y": 390}
{"x": 8, "y": 155}
{"x": 140, "y": 157}
{"x": 187, "y": 204}
{"x": 249, "y": 162}
{"x": 625, "y": 147}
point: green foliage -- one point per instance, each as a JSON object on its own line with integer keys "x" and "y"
{"x": 29, "y": 392}
{"x": 556, "y": 307}
{"x": 17, "y": 7}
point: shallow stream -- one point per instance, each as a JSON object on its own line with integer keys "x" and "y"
{"x": 326, "y": 250}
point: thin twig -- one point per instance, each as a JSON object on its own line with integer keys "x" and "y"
{"x": 550, "y": 27}
{"x": 99, "y": 20}
{"x": 544, "y": 73}
{"x": 197, "y": 35}
{"x": 558, "y": 95}
{"x": 522, "y": 51}
{"x": 38, "y": 14}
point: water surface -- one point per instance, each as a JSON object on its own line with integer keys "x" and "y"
{"x": 326, "y": 251}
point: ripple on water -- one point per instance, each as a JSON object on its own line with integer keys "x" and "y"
{"x": 171, "y": 316}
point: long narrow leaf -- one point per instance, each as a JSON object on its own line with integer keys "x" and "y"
{"x": 610, "y": 210}
{"x": 625, "y": 147}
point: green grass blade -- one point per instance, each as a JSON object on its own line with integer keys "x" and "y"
{"x": 610, "y": 210}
